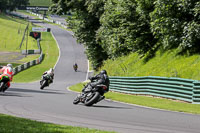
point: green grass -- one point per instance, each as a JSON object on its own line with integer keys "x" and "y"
{"x": 30, "y": 58}
{"x": 40, "y": 2}
{"x": 165, "y": 64}
{"x": 148, "y": 101}
{"x": 11, "y": 124}
{"x": 168, "y": 64}
{"x": 14, "y": 64}
{"x": 12, "y": 38}
{"x": 12, "y": 30}
{"x": 50, "y": 49}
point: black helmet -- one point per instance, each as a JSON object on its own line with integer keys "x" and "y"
{"x": 103, "y": 72}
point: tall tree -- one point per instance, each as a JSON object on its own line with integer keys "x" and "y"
{"x": 176, "y": 23}
{"x": 12, "y": 4}
{"x": 84, "y": 23}
{"x": 3, "y": 5}
{"x": 112, "y": 28}
{"x": 125, "y": 27}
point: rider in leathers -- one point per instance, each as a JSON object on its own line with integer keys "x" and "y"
{"x": 50, "y": 72}
{"x": 75, "y": 66}
{"x": 7, "y": 71}
{"x": 100, "y": 79}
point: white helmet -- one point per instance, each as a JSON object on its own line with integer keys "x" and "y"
{"x": 10, "y": 65}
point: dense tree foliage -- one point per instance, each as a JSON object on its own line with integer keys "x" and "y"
{"x": 85, "y": 23}
{"x": 176, "y": 23}
{"x": 125, "y": 28}
{"x": 2, "y": 3}
{"x": 12, "y": 4}
{"x": 112, "y": 28}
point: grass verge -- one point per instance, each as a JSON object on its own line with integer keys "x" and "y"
{"x": 11, "y": 124}
{"x": 40, "y": 2}
{"x": 148, "y": 101}
{"x": 51, "y": 53}
{"x": 13, "y": 31}
{"x": 164, "y": 64}
{"x": 14, "y": 64}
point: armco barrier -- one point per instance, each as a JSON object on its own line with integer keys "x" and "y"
{"x": 174, "y": 88}
{"x": 50, "y": 20}
{"x": 28, "y": 64}
{"x": 31, "y": 63}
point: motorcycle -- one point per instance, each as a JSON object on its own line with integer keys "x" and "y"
{"x": 90, "y": 95}
{"x": 75, "y": 67}
{"x": 3, "y": 83}
{"x": 45, "y": 82}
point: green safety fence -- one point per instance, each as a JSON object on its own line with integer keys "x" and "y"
{"x": 173, "y": 88}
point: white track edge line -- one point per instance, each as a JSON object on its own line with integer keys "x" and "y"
{"x": 58, "y": 48}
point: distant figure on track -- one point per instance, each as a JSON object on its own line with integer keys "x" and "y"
{"x": 75, "y": 66}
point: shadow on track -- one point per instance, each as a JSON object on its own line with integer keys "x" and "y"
{"x": 79, "y": 71}
{"x": 7, "y": 94}
{"x": 33, "y": 91}
{"x": 115, "y": 107}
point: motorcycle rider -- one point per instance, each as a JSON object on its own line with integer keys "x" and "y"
{"x": 100, "y": 79}
{"x": 7, "y": 71}
{"x": 50, "y": 72}
{"x": 75, "y": 66}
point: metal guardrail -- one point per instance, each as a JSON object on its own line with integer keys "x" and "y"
{"x": 31, "y": 63}
{"x": 50, "y": 20}
{"x": 173, "y": 88}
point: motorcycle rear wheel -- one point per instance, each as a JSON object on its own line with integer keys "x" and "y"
{"x": 3, "y": 87}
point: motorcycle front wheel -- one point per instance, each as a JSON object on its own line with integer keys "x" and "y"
{"x": 44, "y": 83}
{"x": 89, "y": 101}
{"x": 76, "y": 101}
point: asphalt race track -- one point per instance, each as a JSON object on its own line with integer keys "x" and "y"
{"x": 54, "y": 103}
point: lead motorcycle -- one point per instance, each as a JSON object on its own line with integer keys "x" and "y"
{"x": 90, "y": 95}
{"x": 45, "y": 82}
{"x": 75, "y": 67}
{"x": 4, "y": 83}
